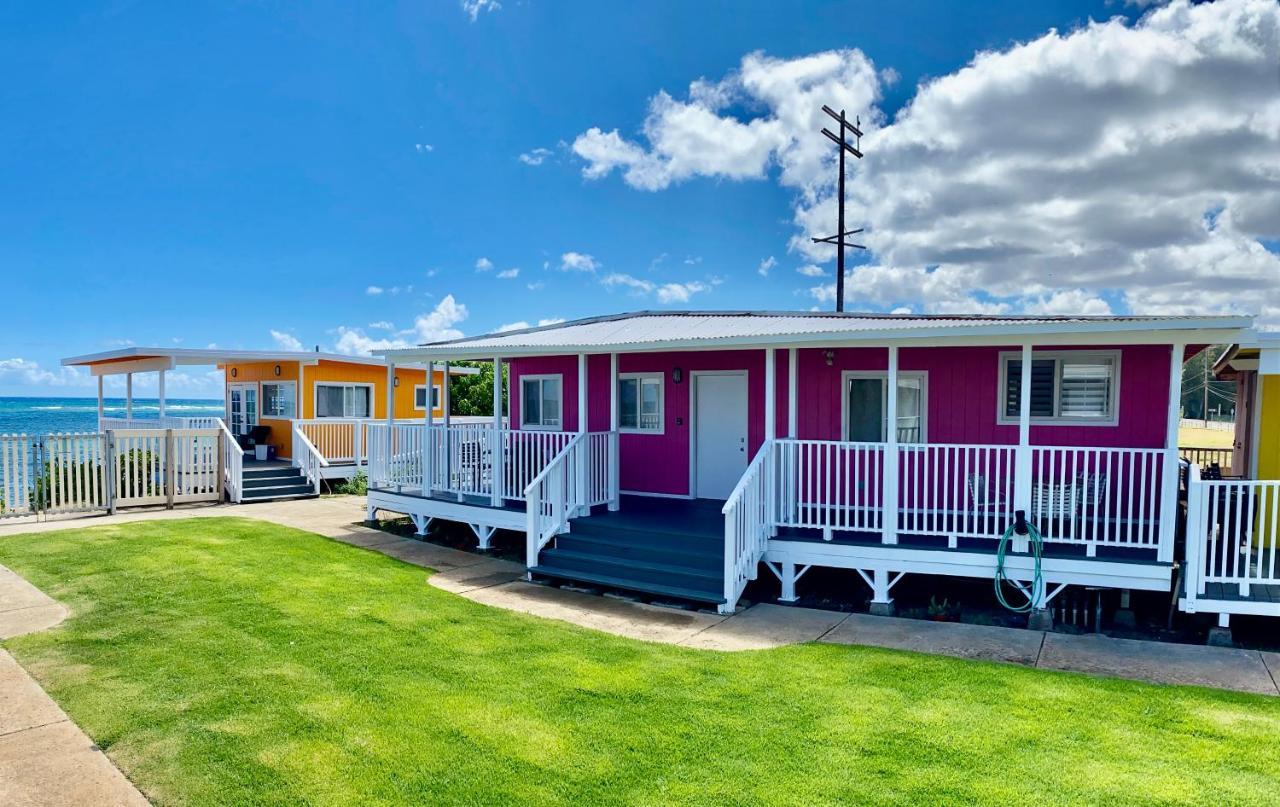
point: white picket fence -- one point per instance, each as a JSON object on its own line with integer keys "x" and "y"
{"x": 93, "y": 472}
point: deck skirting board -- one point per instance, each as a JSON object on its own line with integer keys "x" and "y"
{"x": 1203, "y": 605}
{"x": 501, "y": 518}
{"x": 1151, "y": 576}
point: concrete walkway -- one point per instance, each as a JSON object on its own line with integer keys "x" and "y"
{"x": 45, "y": 759}
{"x": 501, "y": 584}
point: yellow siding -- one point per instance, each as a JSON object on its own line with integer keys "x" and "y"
{"x": 1269, "y": 428}
{"x": 334, "y": 372}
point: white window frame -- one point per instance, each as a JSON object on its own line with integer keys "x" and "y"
{"x": 262, "y": 399}
{"x": 315, "y": 394}
{"x": 524, "y": 410}
{"x": 1058, "y": 356}
{"x": 883, "y": 375}
{"x": 437, "y": 397}
{"x": 662, "y": 402}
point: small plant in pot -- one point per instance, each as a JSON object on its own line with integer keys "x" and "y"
{"x": 943, "y": 611}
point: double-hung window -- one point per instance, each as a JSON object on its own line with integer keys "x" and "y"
{"x": 1066, "y": 387}
{"x": 420, "y": 396}
{"x": 540, "y": 402}
{"x": 279, "y": 399}
{"x": 344, "y": 400}
{"x": 640, "y": 403}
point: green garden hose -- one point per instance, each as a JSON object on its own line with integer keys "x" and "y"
{"x": 1037, "y": 582}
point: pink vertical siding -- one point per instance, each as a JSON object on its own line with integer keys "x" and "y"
{"x": 963, "y": 395}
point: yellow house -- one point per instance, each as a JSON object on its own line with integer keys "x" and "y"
{"x": 326, "y": 397}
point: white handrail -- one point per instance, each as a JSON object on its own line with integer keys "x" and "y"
{"x": 550, "y": 499}
{"x": 308, "y": 458}
{"x": 232, "y": 462}
{"x": 749, "y": 517}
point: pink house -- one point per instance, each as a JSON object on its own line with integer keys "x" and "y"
{"x": 676, "y": 454}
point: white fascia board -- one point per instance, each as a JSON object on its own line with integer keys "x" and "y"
{"x": 1115, "y": 334}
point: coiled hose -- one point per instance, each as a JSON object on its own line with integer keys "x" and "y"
{"x": 1037, "y": 544}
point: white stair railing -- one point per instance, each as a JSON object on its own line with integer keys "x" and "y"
{"x": 232, "y": 462}
{"x": 551, "y": 499}
{"x": 749, "y": 518}
{"x": 306, "y": 457}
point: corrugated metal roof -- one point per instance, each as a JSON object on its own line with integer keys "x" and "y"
{"x": 654, "y": 329}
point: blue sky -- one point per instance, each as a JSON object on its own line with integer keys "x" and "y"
{"x": 197, "y": 173}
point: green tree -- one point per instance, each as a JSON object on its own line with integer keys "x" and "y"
{"x": 1199, "y": 383}
{"x": 472, "y": 395}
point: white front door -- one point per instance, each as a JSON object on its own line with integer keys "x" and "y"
{"x": 719, "y": 433}
{"x": 242, "y": 407}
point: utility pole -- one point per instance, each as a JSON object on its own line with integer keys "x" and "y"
{"x": 1205, "y": 364}
{"x": 838, "y": 239}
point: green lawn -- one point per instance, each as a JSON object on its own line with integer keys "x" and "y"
{"x": 232, "y": 661}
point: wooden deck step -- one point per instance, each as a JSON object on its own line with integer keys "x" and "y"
{"x": 625, "y": 546}
{"x": 629, "y": 584}
{"x": 640, "y": 573}
{"x": 275, "y": 483}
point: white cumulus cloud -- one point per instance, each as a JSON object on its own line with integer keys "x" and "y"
{"x": 285, "y": 341}
{"x": 578, "y": 262}
{"x": 1135, "y": 161}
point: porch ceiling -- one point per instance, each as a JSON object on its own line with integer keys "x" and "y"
{"x": 656, "y": 331}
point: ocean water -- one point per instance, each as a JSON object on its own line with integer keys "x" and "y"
{"x": 55, "y": 415}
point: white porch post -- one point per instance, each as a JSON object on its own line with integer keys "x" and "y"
{"x": 428, "y": 432}
{"x": 615, "y": 447}
{"x": 581, "y": 481}
{"x": 788, "y": 487}
{"x": 793, "y": 414}
{"x": 162, "y": 393}
{"x": 100, "y": 405}
{"x": 446, "y": 445}
{"x": 497, "y": 450}
{"x": 890, "y": 509}
{"x": 770, "y": 394}
{"x": 128, "y": 396}
{"x": 1022, "y": 457}
{"x": 770, "y": 434}
{"x": 1169, "y": 470}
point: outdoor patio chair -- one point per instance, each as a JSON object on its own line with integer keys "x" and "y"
{"x": 256, "y": 436}
{"x": 471, "y": 463}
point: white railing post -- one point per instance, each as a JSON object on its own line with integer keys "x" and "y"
{"x": 497, "y": 447}
{"x": 1169, "y": 483}
{"x": 533, "y": 525}
{"x": 730, "y": 560}
{"x": 1193, "y": 573}
{"x": 891, "y": 477}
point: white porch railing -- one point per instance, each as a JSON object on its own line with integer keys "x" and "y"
{"x": 1090, "y": 497}
{"x": 1098, "y": 496}
{"x": 165, "y": 422}
{"x": 748, "y": 523}
{"x": 336, "y": 439}
{"x": 462, "y": 460}
{"x": 306, "y": 457}
{"x": 1232, "y": 531}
